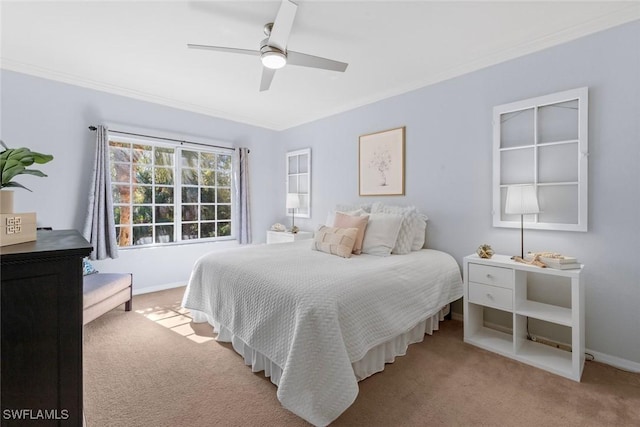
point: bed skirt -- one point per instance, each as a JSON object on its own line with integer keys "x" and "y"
{"x": 373, "y": 361}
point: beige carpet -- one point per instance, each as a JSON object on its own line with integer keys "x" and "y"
{"x": 152, "y": 367}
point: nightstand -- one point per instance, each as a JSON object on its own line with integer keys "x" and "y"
{"x": 285, "y": 236}
{"x": 502, "y": 284}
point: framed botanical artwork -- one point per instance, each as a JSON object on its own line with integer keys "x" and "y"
{"x": 381, "y": 163}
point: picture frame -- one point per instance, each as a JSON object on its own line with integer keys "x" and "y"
{"x": 381, "y": 160}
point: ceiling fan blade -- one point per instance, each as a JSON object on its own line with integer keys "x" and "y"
{"x": 224, "y": 49}
{"x": 267, "y": 76}
{"x": 282, "y": 25}
{"x": 304, "y": 60}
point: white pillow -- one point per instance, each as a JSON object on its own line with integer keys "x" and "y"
{"x": 347, "y": 208}
{"x": 420, "y": 232}
{"x": 408, "y": 228}
{"x": 381, "y": 234}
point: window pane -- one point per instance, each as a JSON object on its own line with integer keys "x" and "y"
{"x": 142, "y": 214}
{"x": 164, "y": 233}
{"x": 164, "y": 195}
{"x": 141, "y": 194}
{"x": 208, "y": 229}
{"x": 164, "y": 213}
{"x": 293, "y": 164}
{"x": 207, "y": 177}
{"x": 224, "y": 212}
{"x": 208, "y": 160}
{"x": 207, "y": 212}
{"x": 142, "y": 235}
{"x": 122, "y": 215}
{"x": 303, "y": 161}
{"x": 123, "y": 236}
{"x": 189, "y": 176}
{"x": 164, "y": 156}
{"x": 224, "y": 229}
{"x": 142, "y": 154}
{"x": 208, "y": 195}
{"x": 189, "y": 159}
{"x": 142, "y": 174}
{"x": 224, "y": 195}
{"x": 189, "y": 212}
{"x": 164, "y": 176}
{"x": 121, "y": 193}
{"x": 224, "y": 162}
{"x": 189, "y": 195}
{"x": 120, "y": 172}
{"x": 189, "y": 231}
{"x": 119, "y": 153}
{"x": 516, "y": 128}
{"x": 224, "y": 179}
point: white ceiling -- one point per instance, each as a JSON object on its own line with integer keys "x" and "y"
{"x": 138, "y": 48}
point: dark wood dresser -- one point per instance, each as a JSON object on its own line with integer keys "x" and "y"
{"x": 41, "y": 322}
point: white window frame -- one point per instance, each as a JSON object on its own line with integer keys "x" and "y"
{"x": 177, "y": 190}
{"x": 305, "y": 198}
{"x": 581, "y": 142}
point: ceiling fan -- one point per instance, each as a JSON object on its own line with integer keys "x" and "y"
{"x": 273, "y": 50}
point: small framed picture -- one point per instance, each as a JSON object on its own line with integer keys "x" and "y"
{"x": 381, "y": 163}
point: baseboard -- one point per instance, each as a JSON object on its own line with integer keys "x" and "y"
{"x": 607, "y": 359}
{"x": 616, "y": 362}
{"x": 149, "y": 289}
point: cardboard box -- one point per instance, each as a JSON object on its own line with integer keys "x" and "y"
{"x": 17, "y": 228}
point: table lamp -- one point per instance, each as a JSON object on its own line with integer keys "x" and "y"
{"x": 293, "y": 203}
{"x": 522, "y": 200}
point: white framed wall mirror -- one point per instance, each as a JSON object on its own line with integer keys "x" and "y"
{"x": 299, "y": 180}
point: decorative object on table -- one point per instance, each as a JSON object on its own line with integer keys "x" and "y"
{"x": 522, "y": 200}
{"x": 17, "y": 227}
{"x": 484, "y": 251}
{"x": 381, "y": 163}
{"x": 278, "y": 227}
{"x": 293, "y": 203}
{"x": 554, "y": 260}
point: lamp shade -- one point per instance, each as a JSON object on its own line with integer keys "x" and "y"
{"x": 293, "y": 201}
{"x": 521, "y": 200}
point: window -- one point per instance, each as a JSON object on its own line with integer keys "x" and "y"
{"x": 164, "y": 194}
{"x": 299, "y": 180}
{"x": 543, "y": 141}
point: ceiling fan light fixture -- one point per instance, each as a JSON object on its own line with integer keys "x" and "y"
{"x": 273, "y": 59}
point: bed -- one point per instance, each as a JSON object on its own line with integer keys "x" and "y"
{"x": 315, "y": 323}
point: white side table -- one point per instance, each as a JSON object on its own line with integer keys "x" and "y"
{"x": 502, "y": 284}
{"x": 285, "y": 236}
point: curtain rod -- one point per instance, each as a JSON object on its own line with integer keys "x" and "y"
{"x": 93, "y": 129}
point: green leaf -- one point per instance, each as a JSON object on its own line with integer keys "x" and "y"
{"x": 33, "y": 172}
{"x": 14, "y": 184}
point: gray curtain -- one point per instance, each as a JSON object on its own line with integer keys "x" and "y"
{"x": 99, "y": 228}
{"x": 241, "y": 181}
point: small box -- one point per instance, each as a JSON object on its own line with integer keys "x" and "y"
{"x": 17, "y": 228}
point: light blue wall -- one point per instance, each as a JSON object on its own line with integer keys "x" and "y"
{"x": 53, "y": 117}
{"x": 449, "y": 167}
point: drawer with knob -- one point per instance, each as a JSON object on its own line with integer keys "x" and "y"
{"x": 491, "y": 296}
{"x": 490, "y": 275}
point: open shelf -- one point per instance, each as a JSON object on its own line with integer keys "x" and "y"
{"x": 546, "y": 312}
{"x": 546, "y": 357}
{"x": 493, "y": 340}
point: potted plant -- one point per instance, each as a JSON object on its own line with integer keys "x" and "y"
{"x": 13, "y": 162}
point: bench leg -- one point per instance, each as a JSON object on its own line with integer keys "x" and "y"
{"x": 128, "y": 304}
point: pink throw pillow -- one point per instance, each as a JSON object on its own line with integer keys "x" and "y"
{"x": 342, "y": 220}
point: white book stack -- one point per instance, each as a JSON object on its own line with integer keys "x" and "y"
{"x": 558, "y": 262}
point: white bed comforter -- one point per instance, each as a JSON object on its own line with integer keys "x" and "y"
{"x": 313, "y": 314}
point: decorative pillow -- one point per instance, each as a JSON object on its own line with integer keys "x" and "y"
{"x": 382, "y": 233}
{"x": 343, "y": 220}
{"x": 331, "y": 216}
{"x": 87, "y": 268}
{"x": 348, "y": 208}
{"x": 420, "y": 232}
{"x": 335, "y": 241}
{"x": 407, "y": 229}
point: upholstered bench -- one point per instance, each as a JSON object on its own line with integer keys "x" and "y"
{"x": 104, "y": 292}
